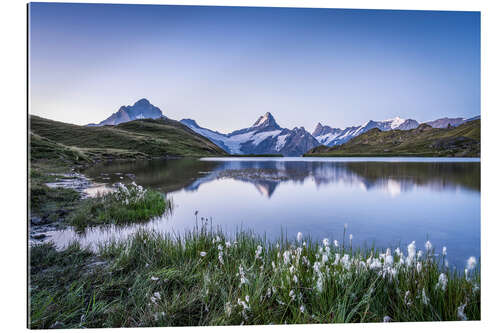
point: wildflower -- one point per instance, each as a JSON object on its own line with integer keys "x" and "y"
{"x": 228, "y": 308}
{"x": 444, "y": 251}
{"x": 460, "y": 312}
{"x": 471, "y": 263}
{"x": 286, "y": 257}
{"x": 299, "y": 236}
{"x": 387, "y": 319}
{"x": 419, "y": 267}
{"x": 228, "y": 244}
{"x": 154, "y": 278}
{"x": 326, "y": 242}
{"x": 274, "y": 265}
{"x": 302, "y": 308}
{"x": 247, "y": 298}
{"x": 336, "y": 243}
{"x": 258, "y": 252}
{"x": 295, "y": 279}
{"x": 219, "y": 247}
{"x": 292, "y": 269}
{"x": 419, "y": 254}
{"x": 203, "y": 253}
{"x": 411, "y": 252}
{"x": 350, "y": 237}
{"x": 428, "y": 246}
{"x": 221, "y": 260}
{"x": 466, "y": 271}
{"x": 425, "y": 299}
{"x": 157, "y": 295}
{"x": 346, "y": 262}
{"x": 389, "y": 260}
{"x": 407, "y": 296}
{"x": 292, "y": 294}
{"x": 398, "y": 252}
{"x": 324, "y": 258}
{"x": 442, "y": 281}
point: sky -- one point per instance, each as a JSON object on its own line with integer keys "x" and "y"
{"x": 226, "y": 66}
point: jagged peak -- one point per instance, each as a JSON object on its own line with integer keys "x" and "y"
{"x": 142, "y": 101}
{"x": 266, "y": 120}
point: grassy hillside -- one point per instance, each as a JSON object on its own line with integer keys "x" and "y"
{"x": 145, "y": 138}
{"x": 463, "y": 140}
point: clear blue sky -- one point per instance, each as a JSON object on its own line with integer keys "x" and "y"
{"x": 225, "y": 66}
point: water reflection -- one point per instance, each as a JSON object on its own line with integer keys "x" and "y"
{"x": 386, "y": 202}
{"x": 266, "y": 175}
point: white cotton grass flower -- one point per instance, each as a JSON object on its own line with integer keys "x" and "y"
{"x": 336, "y": 243}
{"x": 420, "y": 254}
{"x": 154, "y": 278}
{"x": 428, "y": 246}
{"x": 326, "y": 242}
{"x": 425, "y": 299}
{"x": 350, "y": 237}
{"x": 442, "y": 282}
{"x": 157, "y": 295}
{"x": 302, "y": 308}
{"x": 419, "y": 267}
{"x": 387, "y": 319}
{"x": 295, "y": 279}
{"x": 258, "y": 252}
{"x": 299, "y": 237}
{"x": 203, "y": 253}
{"x": 445, "y": 251}
{"x": 461, "y": 312}
{"x": 471, "y": 263}
{"x": 412, "y": 250}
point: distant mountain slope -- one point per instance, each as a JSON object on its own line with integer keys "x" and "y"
{"x": 424, "y": 140}
{"x": 142, "y": 109}
{"x": 329, "y": 136}
{"x": 265, "y": 136}
{"x": 139, "y": 138}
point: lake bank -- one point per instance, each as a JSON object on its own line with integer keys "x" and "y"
{"x": 203, "y": 278}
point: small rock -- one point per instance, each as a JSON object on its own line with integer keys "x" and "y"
{"x": 36, "y": 220}
{"x": 39, "y": 236}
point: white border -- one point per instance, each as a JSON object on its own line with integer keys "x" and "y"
{"x": 13, "y": 194}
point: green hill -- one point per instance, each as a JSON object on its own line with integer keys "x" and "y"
{"x": 464, "y": 140}
{"x": 144, "y": 138}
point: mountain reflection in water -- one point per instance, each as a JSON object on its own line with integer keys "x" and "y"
{"x": 385, "y": 202}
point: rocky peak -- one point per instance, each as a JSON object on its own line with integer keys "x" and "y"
{"x": 266, "y": 120}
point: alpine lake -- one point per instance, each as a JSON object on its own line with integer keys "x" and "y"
{"x": 382, "y": 202}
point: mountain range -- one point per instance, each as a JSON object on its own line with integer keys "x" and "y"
{"x": 265, "y": 136}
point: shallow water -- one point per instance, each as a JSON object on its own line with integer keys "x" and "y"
{"x": 383, "y": 201}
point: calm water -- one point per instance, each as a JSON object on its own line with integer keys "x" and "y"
{"x": 383, "y": 201}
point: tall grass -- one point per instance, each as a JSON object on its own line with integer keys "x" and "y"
{"x": 203, "y": 278}
{"x": 129, "y": 203}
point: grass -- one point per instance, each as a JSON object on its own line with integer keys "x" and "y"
{"x": 202, "y": 278}
{"x": 424, "y": 141}
{"x": 130, "y": 203}
{"x": 138, "y": 139}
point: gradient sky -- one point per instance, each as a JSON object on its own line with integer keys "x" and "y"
{"x": 225, "y": 66}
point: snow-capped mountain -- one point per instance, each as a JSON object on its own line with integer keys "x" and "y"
{"x": 140, "y": 110}
{"x": 265, "y": 136}
{"x": 454, "y": 122}
{"x": 329, "y": 136}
